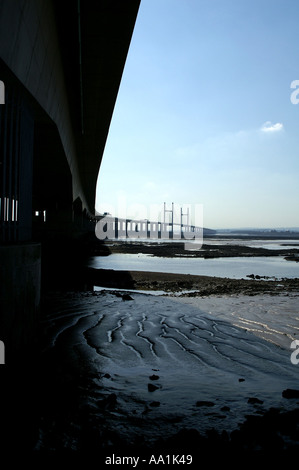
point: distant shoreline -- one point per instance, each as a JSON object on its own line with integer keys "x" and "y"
{"x": 169, "y": 249}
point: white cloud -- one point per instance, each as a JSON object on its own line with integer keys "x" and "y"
{"x": 269, "y": 127}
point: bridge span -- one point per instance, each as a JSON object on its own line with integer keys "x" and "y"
{"x": 109, "y": 227}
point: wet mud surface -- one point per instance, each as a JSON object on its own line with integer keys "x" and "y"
{"x": 136, "y": 374}
{"x": 201, "y": 369}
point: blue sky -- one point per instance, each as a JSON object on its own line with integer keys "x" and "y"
{"x": 204, "y": 115}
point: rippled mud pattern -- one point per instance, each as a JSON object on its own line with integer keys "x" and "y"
{"x": 135, "y": 368}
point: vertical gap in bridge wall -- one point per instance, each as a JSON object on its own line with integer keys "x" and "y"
{"x": 64, "y": 231}
{"x": 52, "y": 185}
{"x": 55, "y": 220}
{"x": 16, "y": 154}
{"x": 26, "y": 131}
{"x": 20, "y": 258}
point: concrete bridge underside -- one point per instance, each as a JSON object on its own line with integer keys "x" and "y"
{"x": 61, "y": 63}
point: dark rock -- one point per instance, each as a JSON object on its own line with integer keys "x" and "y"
{"x": 255, "y": 401}
{"x": 155, "y": 403}
{"x": 204, "y": 403}
{"x": 127, "y": 297}
{"x": 154, "y": 377}
{"x": 290, "y": 393}
{"x": 152, "y": 388}
{"x": 225, "y": 408}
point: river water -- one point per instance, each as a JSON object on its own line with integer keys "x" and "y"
{"x": 232, "y": 267}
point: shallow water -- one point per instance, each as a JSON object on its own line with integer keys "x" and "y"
{"x": 235, "y": 268}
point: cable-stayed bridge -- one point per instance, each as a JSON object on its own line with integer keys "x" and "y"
{"x": 109, "y": 227}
